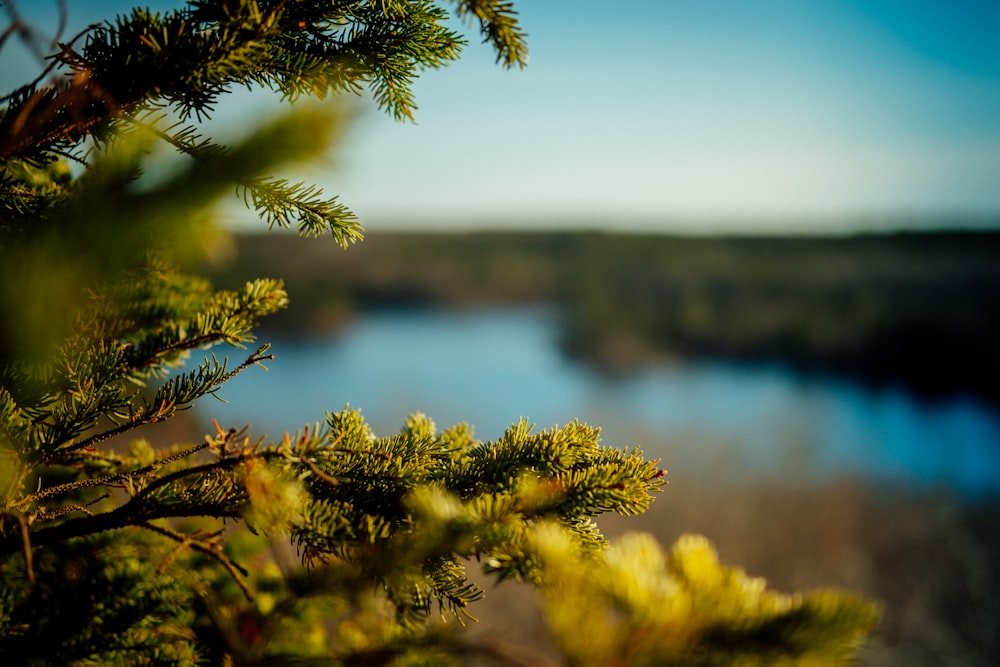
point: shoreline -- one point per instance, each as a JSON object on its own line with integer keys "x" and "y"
{"x": 920, "y": 309}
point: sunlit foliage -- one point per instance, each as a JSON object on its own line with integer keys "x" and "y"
{"x": 329, "y": 545}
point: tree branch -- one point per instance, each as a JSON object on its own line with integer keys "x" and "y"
{"x": 98, "y": 438}
{"x": 107, "y": 480}
{"x": 132, "y": 513}
{"x": 210, "y": 549}
{"x": 136, "y": 511}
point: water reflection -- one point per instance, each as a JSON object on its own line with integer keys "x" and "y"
{"x": 491, "y": 367}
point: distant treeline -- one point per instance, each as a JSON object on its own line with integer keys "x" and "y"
{"x": 917, "y": 308}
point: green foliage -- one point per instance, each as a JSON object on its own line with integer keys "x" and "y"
{"x": 115, "y": 552}
{"x": 639, "y": 606}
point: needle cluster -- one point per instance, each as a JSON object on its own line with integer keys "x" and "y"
{"x": 325, "y": 545}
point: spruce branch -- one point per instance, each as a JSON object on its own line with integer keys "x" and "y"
{"x": 226, "y": 317}
{"x": 184, "y": 138}
{"x": 500, "y": 27}
{"x": 403, "y": 514}
{"x": 150, "y": 503}
{"x": 171, "y": 62}
{"x": 171, "y": 397}
{"x": 314, "y": 469}
{"x": 53, "y": 62}
{"x": 188, "y": 58}
{"x": 210, "y": 546}
{"x": 283, "y": 204}
{"x": 115, "y": 479}
{"x": 198, "y": 470}
{"x": 276, "y": 200}
{"x": 69, "y": 509}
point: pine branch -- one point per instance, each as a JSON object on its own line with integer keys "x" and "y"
{"x": 277, "y": 201}
{"x": 500, "y": 27}
{"x": 211, "y": 548}
{"x": 226, "y": 317}
{"x": 171, "y": 397}
{"x": 404, "y": 514}
{"x": 188, "y": 58}
{"x": 143, "y": 507}
{"x": 68, "y": 509}
{"x": 282, "y": 203}
{"x": 115, "y": 479}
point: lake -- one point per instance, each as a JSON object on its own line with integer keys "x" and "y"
{"x": 491, "y": 367}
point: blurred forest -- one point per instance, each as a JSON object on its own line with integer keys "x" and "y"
{"x": 920, "y": 309}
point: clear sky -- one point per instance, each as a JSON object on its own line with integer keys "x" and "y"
{"x": 695, "y": 115}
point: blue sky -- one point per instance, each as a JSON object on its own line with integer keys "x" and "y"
{"x": 695, "y": 115}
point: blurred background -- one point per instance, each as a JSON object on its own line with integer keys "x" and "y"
{"x": 761, "y": 241}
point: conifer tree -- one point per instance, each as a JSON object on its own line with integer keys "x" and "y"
{"x": 116, "y": 552}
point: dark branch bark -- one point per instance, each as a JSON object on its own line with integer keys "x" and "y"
{"x": 132, "y": 513}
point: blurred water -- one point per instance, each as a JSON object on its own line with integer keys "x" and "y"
{"x": 491, "y": 367}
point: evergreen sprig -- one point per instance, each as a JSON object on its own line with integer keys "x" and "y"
{"x": 643, "y": 607}
{"x": 113, "y": 551}
{"x": 186, "y": 59}
{"x": 500, "y": 27}
{"x": 286, "y": 204}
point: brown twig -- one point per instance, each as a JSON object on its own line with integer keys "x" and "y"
{"x": 314, "y": 469}
{"x": 29, "y": 567}
{"x": 209, "y": 548}
{"x": 68, "y": 509}
{"x": 109, "y": 480}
